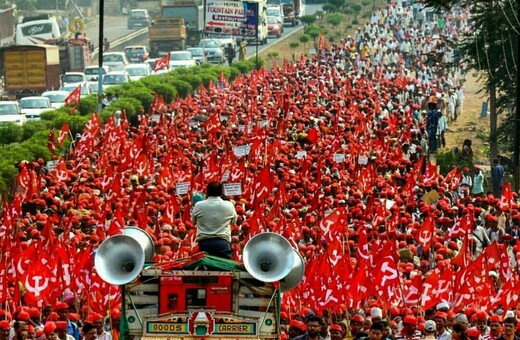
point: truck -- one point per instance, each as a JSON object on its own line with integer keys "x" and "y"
{"x": 192, "y": 12}
{"x": 30, "y": 70}
{"x": 75, "y": 54}
{"x": 293, "y": 10}
{"x": 166, "y": 34}
{"x": 6, "y": 26}
{"x": 201, "y": 297}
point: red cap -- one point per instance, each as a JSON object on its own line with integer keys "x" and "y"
{"x": 336, "y": 327}
{"x": 94, "y": 317}
{"x": 357, "y": 318}
{"x": 4, "y": 324}
{"x": 495, "y": 318}
{"x": 34, "y": 312}
{"x": 61, "y": 325}
{"x": 441, "y": 315}
{"x": 61, "y": 305}
{"x": 481, "y": 315}
{"x": 23, "y": 316}
{"x": 298, "y": 324}
{"x": 410, "y": 320}
{"x": 49, "y": 327}
{"x": 473, "y": 333}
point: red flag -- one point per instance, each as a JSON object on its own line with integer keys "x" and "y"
{"x": 64, "y": 132}
{"x": 117, "y": 224}
{"x": 313, "y": 135}
{"x": 50, "y": 143}
{"x": 425, "y": 234}
{"x": 453, "y": 178}
{"x": 73, "y": 98}
{"x": 507, "y": 196}
{"x": 161, "y": 63}
{"x": 212, "y": 124}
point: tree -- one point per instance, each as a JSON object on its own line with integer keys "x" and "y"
{"x": 308, "y": 19}
{"x": 329, "y": 8}
{"x": 304, "y": 39}
{"x": 492, "y": 48}
{"x": 335, "y": 19}
{"x": 294, "y": 45}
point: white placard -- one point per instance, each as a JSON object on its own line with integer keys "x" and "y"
{"x": 388, "y": 203}
{"x": 363, "y": 160}
{"x": 301, "y": 154}
{"x": 232, "y": 189}
{"x": 225, "y": 176}
{"x": 242, "y": 150}
{"x": 263, "y": 123}
{"x": 339, "y": 157}
{"x": 155, "y": 118}
{"x": 182, "y": 188}
{"x": 51, "y": 165}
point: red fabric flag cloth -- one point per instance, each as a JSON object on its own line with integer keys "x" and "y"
{"x": 212, "y": 124}
{"x": 162, "y": 63}
{"x": 64, "y": 132}
{"x": 425, "y": 235}
{"x": 313, "y": 135}
{"x": 73, "y": 98}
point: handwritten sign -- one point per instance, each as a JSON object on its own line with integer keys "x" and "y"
{"x": 301, "y": 154}
{"x": 232, "y": 189}
{"x": 242, "y": 150}
{"x": 363, "y": 160}
{"x": 182, "y": 188}
{"x": 225, "y": 176}
{"x": 339, "y": 157}
{"x": 51, "y": 165}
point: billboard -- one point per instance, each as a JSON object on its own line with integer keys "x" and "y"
{"x": 231, "y": 17}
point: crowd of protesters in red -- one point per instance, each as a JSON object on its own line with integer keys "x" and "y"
{"x": 330, "y": 151}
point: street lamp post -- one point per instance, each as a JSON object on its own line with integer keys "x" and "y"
{"x": 100, "y": 55}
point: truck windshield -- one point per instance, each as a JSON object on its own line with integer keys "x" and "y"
{"x": 188, "y": 13}
{"x": 286, "y": 2}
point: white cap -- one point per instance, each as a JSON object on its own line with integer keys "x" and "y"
{"x": 376, "y": 313}
{"x": 442, "y": 305}
{"x": 510, "y": 314}
{"x": 430, "y": 326}
{"x": 461, "y": 318}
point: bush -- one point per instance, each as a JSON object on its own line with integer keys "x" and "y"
{"x": 329, "y": 8}
{"x": 88, "y": 105}
{"x": 10, "y": 133}
{"x": 183, "y": 87}
{"x": 31, "y": 128}
{"x": 449, "y": 159}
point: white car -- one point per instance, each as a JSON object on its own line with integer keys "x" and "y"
{"x": 181, "y": 59}
{"x": 115, "y": 60}
{"x": 275, "y": 11}
{"x": 92, "y": 72}
{"x": 85, "y": 88}
{"x": 57, "y": 98}
{"x": 73, "y": 77}
{"x": 10, "y": 112}
{"x": 213, "y": 51}
{"x": 33, "y": 107}
{"x": 223, "y": 39}
{"x": 137, "y": 71}
{"x": 197, "y": 53}
{"x": 115, "y": 78}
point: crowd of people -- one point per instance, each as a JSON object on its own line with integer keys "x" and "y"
{"x": 329, "y": 151}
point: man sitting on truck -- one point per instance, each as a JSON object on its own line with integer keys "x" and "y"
{"x": 214, "y": 217}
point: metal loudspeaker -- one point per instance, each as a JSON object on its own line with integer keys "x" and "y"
{"x": 268, "y": 257}
{"x": 119, "y": 259}
{"x": 144, "y": 240}
{"x": 295, "y": 276}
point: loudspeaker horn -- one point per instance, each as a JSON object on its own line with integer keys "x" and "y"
{"x": 268, "y": 257}
{"x": 144, "y": 240}
{"x": 119, "y": 259}
{"x": 295, "y": 276}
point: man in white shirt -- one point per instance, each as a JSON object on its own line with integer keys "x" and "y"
{"x": 214, "y": 217}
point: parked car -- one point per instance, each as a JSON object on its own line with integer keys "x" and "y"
{"x": 57, "y": 98}
{"x": 197, "y": 53}
{"x": 137, "y": 71}
{"x": 73, "y": 77}
{"x": 115, "y": 60}
{"x": 223, "y": 39}
{"x": 33, "y": 107}
{"x": 10, "y": 112}
{"x": 181, "y": 59}
{"x": 85, "y": 88}
{"x": 138, "y": 18}
{"x": 115, "y": 78}
{"x": 92, "y": 72}
{"x": 213, "y": 51}
{"x": 136, "y": 54}
{"x": 274, "y": 27}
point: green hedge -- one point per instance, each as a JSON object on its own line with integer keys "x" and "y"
{"x": 29, "y": 142}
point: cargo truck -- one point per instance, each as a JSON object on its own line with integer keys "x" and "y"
{"x": 166, "y": 34}
{"x": 193, "y": 14}
{"x": 6, "y": 26}
{"x": 293, "y": 10}
{"x": 30, "y": 70}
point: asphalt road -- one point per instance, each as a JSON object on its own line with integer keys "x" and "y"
{"x": 115, "y": 27}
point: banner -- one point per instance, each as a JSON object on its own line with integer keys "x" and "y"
{"x": 224, "y": 16}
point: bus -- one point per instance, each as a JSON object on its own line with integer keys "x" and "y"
{"x": 37, "y": 32}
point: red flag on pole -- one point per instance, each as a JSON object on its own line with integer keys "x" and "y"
{"x": 73, "y": 98}
{"x": 64, "y": 132}
{"x": 50, "y": 143}
{"x": 163, "y": 62}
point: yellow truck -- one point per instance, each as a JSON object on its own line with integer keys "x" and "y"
{"x": 30, "y": 70}
{"x": 166, "y": 34}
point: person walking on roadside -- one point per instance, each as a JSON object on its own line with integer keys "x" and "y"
{"x": 106, "y": 45}
{"x": 497, "y": 178}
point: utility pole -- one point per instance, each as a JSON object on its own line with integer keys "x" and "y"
{"x": 516, "y": 151}
{"x": 100, "y": 55}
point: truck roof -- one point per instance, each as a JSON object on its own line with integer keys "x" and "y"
{"x": 203, "y": 260}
